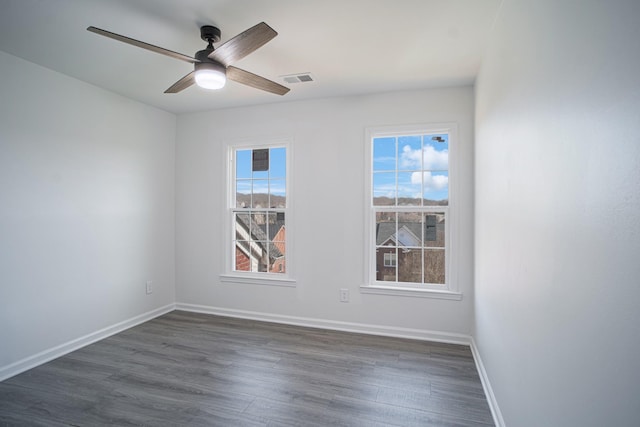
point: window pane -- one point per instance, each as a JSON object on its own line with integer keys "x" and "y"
{"x": 409, "y": 234}
{"x": 278, "y": 266}
{"x": 260, "y": 196}
{"x": 260, "y": 160}
{"x": 259, "y": 254}
{"x": 243, "y": 261}
{"x": 410, "y": 265}
{"x": 243, "y": 193}
{"x": 260, "y": 174}
{"x": 434, "y": 266}
{"x": 278, "y": 165}
{"x": 409, "y": 189}
{"x": 436, "y": 188}
{"x": 384, "y": 154}
{"x": 276, "y": 227}
{"x": 385, "y": 228}
{"x": 277, "y": 256}
{"x": 409, "y": 153}
{"x": 434, "y": 230}
{"x": 438, "y": 144}
{"x": 386, "y": 273}
{"x": 242, "y": 223}
{"x": 436, "y": 153}
{"x": 384, "y": 189}
{"x": 258, "y": 226}
{"x": 243, "y": 164}
{"x": 260, "y": 186}
{"x": 269, "y": 226}
{"x": 277, "y": 189}
{"x": 281, "y": 250}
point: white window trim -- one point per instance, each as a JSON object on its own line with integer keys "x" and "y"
{"x": 450, "y": 290}
{"x": 250, "y": 279}
{"x": 257, "y": 278}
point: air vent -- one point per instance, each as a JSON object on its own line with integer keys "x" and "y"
{"x": 298, "y": 78}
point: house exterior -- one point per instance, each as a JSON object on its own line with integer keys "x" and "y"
{"x": 261, "y": 247}
{"x": 400, "y": 249}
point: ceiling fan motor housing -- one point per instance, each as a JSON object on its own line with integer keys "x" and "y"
{"x": 210, "y": 34}
{"x": 203, "y": 55}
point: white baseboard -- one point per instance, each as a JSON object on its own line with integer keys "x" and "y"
{"x": 486, "y": 385}
{"x": 62, "y": 349}
{"x": 362, "y": 328}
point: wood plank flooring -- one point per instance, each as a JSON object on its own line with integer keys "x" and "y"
{"x": 189, "y": 369}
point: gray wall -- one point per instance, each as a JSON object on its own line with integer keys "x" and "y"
{"x": 86, "y": 209}
{"x": 558, "y": 213}
{"x": 328, "y": 140}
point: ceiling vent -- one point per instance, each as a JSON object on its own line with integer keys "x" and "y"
{"x": 298, "y": 78}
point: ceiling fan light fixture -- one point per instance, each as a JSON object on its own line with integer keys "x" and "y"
{"x": 210, "y": 75}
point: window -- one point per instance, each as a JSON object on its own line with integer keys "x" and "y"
{"x": 408, "y": 200}
{"x": 258, "y": 212}
{"x": 390, "y": 259}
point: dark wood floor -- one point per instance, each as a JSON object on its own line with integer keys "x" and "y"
{"x": 192, "y": 369}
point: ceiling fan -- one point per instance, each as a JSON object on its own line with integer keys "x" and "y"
{"x": 212, "y": 66}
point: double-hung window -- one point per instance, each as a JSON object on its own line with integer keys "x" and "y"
{"x": 258, "y": 213}
{"x": 408, "y": 201}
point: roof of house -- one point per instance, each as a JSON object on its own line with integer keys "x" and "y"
{"x": 409, "y": 233}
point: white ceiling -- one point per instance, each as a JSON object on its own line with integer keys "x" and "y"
{"x": 350, "y": 46}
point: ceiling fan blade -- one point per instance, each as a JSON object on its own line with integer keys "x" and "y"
{"x": 253, "y": 80}
{"x": 243, "y": 44}
{"x": 183, "y": 83}
{"x": 143, "y": 45}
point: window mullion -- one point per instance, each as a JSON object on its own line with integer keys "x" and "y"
{"x": 422, "y": 173}
{"x": 422, "y": 248}
{"x": 396, "y": 249}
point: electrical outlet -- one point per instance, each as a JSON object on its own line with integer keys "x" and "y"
{"x": 149, "y": 287}
{"x": 344, "y": 295}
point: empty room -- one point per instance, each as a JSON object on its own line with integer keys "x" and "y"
{"x": 313, "y": 213}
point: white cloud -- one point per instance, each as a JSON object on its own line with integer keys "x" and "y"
{"x": 409, "y": 159}
{"x": 433, "y": 159}
{"x": 431, "y": 182}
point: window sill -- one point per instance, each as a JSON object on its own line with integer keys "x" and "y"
{"x": 411, "y": 292}
{"x": 253, "y": 280}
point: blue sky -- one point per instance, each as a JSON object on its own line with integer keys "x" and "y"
{"x": 421, "y": 163}
{"x": 408, "y": 166}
